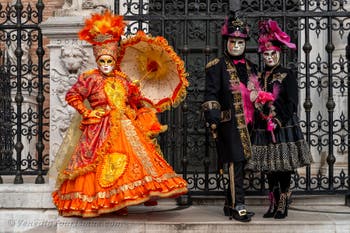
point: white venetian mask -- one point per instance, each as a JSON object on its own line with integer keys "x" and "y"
{"x": 235, "y": 46}
{"x": 106, "y": 64}
{"x": 271, "y": 57}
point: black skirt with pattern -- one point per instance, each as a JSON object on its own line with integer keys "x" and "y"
{"x": 289, "y": 151}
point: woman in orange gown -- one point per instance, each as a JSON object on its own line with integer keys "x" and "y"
{"x": 116, "y": 161}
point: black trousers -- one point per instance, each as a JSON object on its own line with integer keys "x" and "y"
{"x": 238, "y": 181}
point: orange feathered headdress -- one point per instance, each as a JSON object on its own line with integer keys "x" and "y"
{"x": 103, "y": 31}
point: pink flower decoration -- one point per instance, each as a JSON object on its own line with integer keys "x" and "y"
{"x": 264, "y": 97}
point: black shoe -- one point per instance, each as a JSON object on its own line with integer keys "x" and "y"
{"x": 241, "y": 214}
{"x": 273, "y": 199}
{"x": 250, "y": 213}
{"x": 228, "y": 211}
{"x": 270, "y": 213}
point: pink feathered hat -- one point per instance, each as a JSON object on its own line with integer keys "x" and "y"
{"x": 271, "y": 37}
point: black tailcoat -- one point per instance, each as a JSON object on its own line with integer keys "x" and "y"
{"x": 218, "y": 88}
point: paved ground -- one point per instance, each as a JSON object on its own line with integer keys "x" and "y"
{"x": 169, "y": 218}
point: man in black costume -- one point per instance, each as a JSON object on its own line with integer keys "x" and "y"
{"x": 228, "y": 111}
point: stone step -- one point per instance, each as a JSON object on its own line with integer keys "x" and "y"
{"x": 168, "y": 218}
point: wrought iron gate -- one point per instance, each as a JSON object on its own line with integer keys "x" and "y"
{"x": 319, "y": 27}
{"x": 24, "y": 110}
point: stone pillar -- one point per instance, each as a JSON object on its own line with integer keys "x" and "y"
{"x": 69, "y": 56}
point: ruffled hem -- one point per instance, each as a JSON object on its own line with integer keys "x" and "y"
{"x": 280, "y": 157}
{"x": 76, "y": 199}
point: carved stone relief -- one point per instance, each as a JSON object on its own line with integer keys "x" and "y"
{"x": 82, "y": 7}
{"x": 72, "y": 59}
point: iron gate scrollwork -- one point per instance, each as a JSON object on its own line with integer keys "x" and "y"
{"x": 318, "y": 27}
{"x": 24, "y": 107}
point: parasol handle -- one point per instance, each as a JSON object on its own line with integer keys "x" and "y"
{"x": 145, "y": 75}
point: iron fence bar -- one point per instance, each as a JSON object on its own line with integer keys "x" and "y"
{"x": 6, "y": 109}
{"x": 40, "y": 98}
{"x": 263, "y": 178}
{"x": 330, "y": 102}
{"x": 307, "y": 102}
{"x": 3, "y": 79}
{"x": 2, "y": 116}
{"x": 23, "y": 26}
{"x": 19, "y": 96}
{"x": 116, "y": 7}
{"x": 347, "y": 49}
{"x": 185, "y": 110}
{"x": 207, "y": 51}
{"x": 140, "y": 13}
{"x": 163, "y": 14}
{"x": 206, "y": 161}
{"x": 296, "y": 14}
{"x": 284, "y": 49}
{"x": 259, "y": 193}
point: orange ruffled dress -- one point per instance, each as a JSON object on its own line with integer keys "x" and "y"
{"x": 116, "y": 163}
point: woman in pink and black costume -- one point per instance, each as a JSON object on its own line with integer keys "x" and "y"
{"x": 278, "y": 145}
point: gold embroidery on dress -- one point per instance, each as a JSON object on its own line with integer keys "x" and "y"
{"x": 113, "y": 167}
{"x": 116, "y": 93}
{"x": 137, "y": 146}
{"x": 122, "y": 188}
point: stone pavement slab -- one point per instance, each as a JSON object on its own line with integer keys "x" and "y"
{"x": 169, "y": 218}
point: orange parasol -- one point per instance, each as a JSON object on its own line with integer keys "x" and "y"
{"x": 160, "y": 72}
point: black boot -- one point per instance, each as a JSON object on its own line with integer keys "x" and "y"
{"x": 270, "y": 213}
{"x": 282, "y": 210}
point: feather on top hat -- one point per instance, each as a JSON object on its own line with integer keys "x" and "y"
{"x": 104, "y": 32}
{"x": 271, "y": 36}
{"x": 235, "y": 27}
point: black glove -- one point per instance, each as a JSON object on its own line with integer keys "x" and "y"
{"x": 212, "y": 116}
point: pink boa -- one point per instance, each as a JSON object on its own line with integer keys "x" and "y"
{"x": 248, "y": 106}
